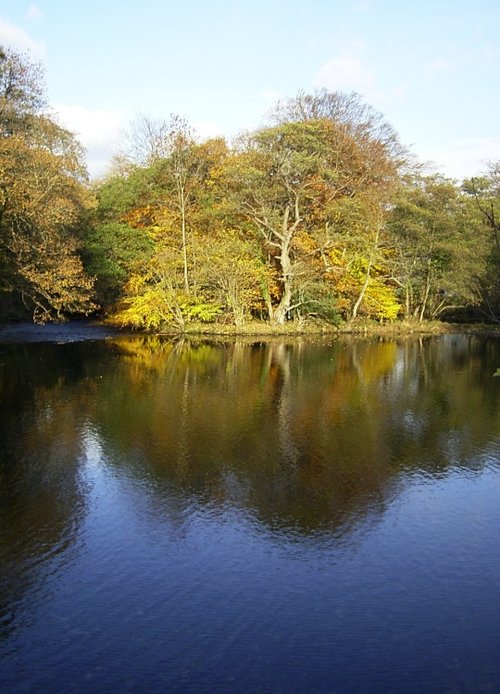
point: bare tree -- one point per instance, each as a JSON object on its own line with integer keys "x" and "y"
{"x": 147, "y": 140}
{"x": 348, "y": 110}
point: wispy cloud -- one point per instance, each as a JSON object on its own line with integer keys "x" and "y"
{"x": 102, "y": 133}
{"x": 17, "y": 38}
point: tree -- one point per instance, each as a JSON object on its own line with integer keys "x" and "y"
{"x": 112, "y": 252}
{"x": 223, "y": 277}
{"x": 438, "y": 248}
{"x": 117, "y": 241}
{"x": 175, "y": 171}
{"x": 354, "y": 244}
{"x": 485, "y": 192}
{"x": 21, "y": 92}
{"x": 169, "y": 151}
{"x": 42, "y": 199}
{"x": 147, "y": 140}
{"x": 296, "y": 182}
{"x": 231, "y": 273}
{"x": 184, "y": 169}
{"x": 373, "y": 134}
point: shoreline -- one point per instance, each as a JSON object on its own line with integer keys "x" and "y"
{"x": 84, "y": 329}
{"x": 360, "y": 329}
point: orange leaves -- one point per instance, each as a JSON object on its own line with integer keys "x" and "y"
{"x": 305, "y": 243}
{"x": 42, "y": 205}
{"x": 139, "y": 217}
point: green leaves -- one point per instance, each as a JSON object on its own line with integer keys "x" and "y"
{"x": 308, "y": 217}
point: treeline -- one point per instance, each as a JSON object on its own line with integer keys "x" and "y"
{"x": 319, "y": 215}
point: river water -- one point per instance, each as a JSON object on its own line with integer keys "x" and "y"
{"x": 248, "y": 516}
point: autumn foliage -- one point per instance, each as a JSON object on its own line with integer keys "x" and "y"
{"x": 319, "y": 215}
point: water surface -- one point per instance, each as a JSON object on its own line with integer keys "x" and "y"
{"x": 249, "y": 516}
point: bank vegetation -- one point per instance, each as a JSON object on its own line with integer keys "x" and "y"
{"x": 318, "y": 220}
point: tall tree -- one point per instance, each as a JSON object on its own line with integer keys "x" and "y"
{"x": 146, "y": 140}
{"x": 485, "y": 192}
{"x": 42, "y": 199}
{"x": 177, "y": 170}
{"x": 354, "y": 244}
{"x": 438, "y": 248}
{"x": 298, "y": 179}
{"x": 350, "y": 112}
{"x": 21, "y": 92}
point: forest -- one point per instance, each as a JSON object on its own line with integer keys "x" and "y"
{"x": 319, "y": 217}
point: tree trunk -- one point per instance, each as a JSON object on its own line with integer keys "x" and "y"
{"x": 366, "y": 282}
{"x": 285, "y": 261}
{"x": 408, "y": 301}
{"x": 182, "y": 201}
{"x": 426, "y": 292}
{"x": 361, "y": 296}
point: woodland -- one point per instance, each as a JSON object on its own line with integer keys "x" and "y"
{"x": 318, "y": 217}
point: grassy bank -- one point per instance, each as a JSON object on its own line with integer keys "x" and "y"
{"x": 316, "y": 328}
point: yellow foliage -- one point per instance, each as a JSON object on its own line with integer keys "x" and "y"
{"x": 151, "y": 303}
{"x": 145, "y": 310}
{"x": 139, "y": 217}
{"x": 379, "y": 301}
{"x": 305, "y": 243}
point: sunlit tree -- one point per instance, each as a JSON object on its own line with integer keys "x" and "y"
{"x": 42, "y": 199}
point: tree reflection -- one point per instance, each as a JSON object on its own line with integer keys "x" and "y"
{"x": 304, "y": 435}
{"x": 42, "y": 497}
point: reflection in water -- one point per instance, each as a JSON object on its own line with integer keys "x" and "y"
{"x": 42, "y": 498}
{"x": 303, "y": 436}
{"x": 190, "y": 464}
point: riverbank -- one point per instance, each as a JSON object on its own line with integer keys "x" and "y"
{"x": 316, "y": 328}
{"x": 99, "y": 329}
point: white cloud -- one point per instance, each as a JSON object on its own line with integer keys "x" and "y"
{"x": 17, "y": 38}
{"x": 346, "y": 73}
{"x": 463, "y": 158}
{"x": 206, "y": 130}
{"x": 102, "y": 133}
{"x": 98, "y": 131}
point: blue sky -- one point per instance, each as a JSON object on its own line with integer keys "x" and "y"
{"x": 432, "y": 68}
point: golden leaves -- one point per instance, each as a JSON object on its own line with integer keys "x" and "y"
{"x": 42, "y": 205}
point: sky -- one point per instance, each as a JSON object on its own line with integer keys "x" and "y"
{"x": 432, "y": 67}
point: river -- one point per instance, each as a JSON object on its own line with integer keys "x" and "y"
{"x": 303, "y": 515}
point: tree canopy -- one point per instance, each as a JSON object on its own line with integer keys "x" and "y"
{"x": 43, "y": 200}
{"x": 320, "y": 214}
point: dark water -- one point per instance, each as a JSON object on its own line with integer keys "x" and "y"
{"x": 238, "y": 516}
